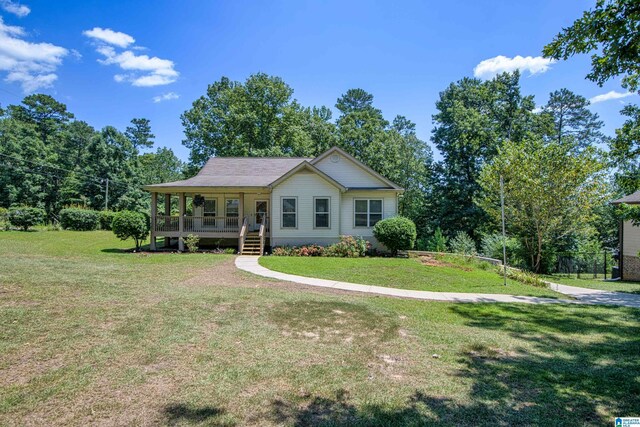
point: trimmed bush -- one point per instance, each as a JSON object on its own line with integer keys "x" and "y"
{"x": 24, "y": 217}
{"x": 397, "y": 233}
{"x": 106, "y": 219}
{"x": 131, "y": 225}
{"x": 79, "y": 219}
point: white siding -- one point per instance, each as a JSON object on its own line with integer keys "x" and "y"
{"x": 389, "y": 209}
{"x": 347, "y": 173}
{"x": 304, "y": 185}
{"x": 631, "y": 239}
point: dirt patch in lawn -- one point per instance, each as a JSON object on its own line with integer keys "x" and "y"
{"x": 432, "y": 261}
{"x": 333, "y": 321}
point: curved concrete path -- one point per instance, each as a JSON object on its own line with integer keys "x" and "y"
{"x": 581, "y": 295}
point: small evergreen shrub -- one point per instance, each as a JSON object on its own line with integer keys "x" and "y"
{"x": 348, "y": 247}
{"x": 131, "y": 225}
{"x": 437, "y": 242}
{"x": 396, "y": 233}
{"x": 25, "y": 217}
{"x": 192, "y": 242}
{"x": 79, "y": 219}
{"x": 106, "y": 219}
{"x": 463, "y": 244}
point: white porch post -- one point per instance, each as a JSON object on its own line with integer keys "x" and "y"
{"x": 167, "y": 212}
{"x": 154, "y": 212}
{"x": 240, "y": 210}
{"x": 181, "y": 206}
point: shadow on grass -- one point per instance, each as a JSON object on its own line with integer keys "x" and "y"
{"x": 180, "y": 413}
{"x": 419, "y": 410}
{"x": 116, "y": 251}
{"x": 573, "y": 366}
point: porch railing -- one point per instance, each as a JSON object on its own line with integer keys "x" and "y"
{"x": 167, "y": 223}
{"x": 202, "y": 224}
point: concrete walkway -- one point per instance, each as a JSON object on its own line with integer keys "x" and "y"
{"x": 581, "y": 295}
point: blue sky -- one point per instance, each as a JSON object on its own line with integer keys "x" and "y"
{"x": 110, "y": 61}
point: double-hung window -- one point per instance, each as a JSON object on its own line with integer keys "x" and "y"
{"x": 210, "y": 207}
{"x": 367, "y": 212}
{"x": 321, "y": 206}
{"x": 209, "y": 212}
{"x": 289, "y": 212}
{"x": 232, "y": 211}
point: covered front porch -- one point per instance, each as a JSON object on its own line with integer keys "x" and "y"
{"x": 232, "y": 216}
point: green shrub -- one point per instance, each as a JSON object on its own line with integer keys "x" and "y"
{"x": 348, "y": 247}
{"x": 131, "y": 225}
{"x": 437, "y": 242}
{"x": 396, "y": 233}
{"x": 106, "y": 219}
{"x": 192, "y": 242}
{"x": 24, "y": 217}
{"x": 491, "y": 246}
{"x": 4, "y": 219}
{"x": 463, "y": 244}
{"x": 79, "y": 219}
{"x": 229, "y": 251}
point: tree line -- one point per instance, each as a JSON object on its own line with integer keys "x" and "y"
{"x": 48, "y": 159}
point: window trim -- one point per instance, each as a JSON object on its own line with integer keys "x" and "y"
{"x": 328, "y": 212}
{"x": 368, "y": 200}
{"x": 282, "y": 212}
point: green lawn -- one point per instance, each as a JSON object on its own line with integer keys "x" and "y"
{"x": 405, "y": 274}
{"x": 90, "y": 336}
{"x": 591, "y": 283}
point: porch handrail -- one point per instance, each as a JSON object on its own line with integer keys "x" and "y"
{"x": 243, "y": 234}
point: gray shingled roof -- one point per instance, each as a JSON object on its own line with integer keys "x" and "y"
{"x": 239, "y": 172}
{"x": 631, "y": 199}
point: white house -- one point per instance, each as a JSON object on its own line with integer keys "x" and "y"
{"x": 260, "y": 201}
{"x": 629, "y": 240}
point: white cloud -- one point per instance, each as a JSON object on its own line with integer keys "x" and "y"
{"x": 140, "y": 70}
{"x": 609, "y": 96}
{"x": 500, "y": 64}
{"x": 109, "y": 36}
{"x": 15, "y": 8}
{"x": 165, "y": 97}
{"x": 32, "y": 65}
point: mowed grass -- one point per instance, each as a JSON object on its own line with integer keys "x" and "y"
{"x": 407, "y": 273}
{"x": 90, "y": 335}
{"x": 591, "y": 283}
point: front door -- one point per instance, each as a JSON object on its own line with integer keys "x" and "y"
{"x": 262, "y": 209}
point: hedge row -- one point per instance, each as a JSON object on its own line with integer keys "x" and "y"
{"x": 79, "y": 219}
{"x": 85, "y": 220}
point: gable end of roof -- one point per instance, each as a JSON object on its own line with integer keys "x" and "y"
{"x": 358, "y": 163}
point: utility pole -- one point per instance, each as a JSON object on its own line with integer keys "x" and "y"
{"x": 106, "y": 196}
{"x": 504, "y": 234}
